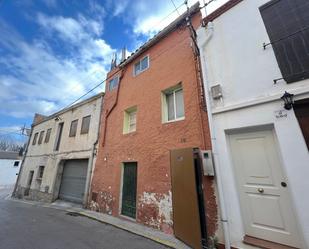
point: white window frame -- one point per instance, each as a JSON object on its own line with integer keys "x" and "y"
{"x": 126, "y": 120}
{"x": 109, "y": 83}
{"x": 139, "y": 61}
{"x": 165, "y": 105}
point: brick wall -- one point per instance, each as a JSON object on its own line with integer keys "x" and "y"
{"x": 171, "y": 62}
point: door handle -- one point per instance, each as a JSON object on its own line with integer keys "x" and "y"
{"x": 261, "y": 190}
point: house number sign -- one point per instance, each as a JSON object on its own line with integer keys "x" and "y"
{"x": 281, "y": 114}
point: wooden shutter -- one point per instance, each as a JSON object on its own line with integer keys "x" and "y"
{"x": 287, "y": 24}
{"x": 73, "y": 128}
{"x": 85, "y": 125}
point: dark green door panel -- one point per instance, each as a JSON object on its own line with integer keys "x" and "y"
{"x": 129, "y": 190}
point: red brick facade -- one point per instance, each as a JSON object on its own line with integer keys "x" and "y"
{"x": 171, "y": 62}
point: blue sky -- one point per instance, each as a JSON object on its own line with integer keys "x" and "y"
{"x": 53, "y": 51}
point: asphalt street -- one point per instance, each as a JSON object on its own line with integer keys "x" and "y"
{"x": 25, "y": 226}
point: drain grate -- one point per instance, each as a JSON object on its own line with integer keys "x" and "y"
{"x": 73, "y": 214}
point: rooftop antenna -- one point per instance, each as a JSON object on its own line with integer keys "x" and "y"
{"x": 123, "y": 54}
{"x": 205, "y": 7}
{"x": 114, "y": 61}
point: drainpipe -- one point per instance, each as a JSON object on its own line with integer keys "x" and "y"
{"x": 22, "y": 164}
{"x": 90, "y": 164}
{"x": 218, "y": 177}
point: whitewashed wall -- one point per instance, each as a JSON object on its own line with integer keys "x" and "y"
{"x": 8, "y": 172}
{"x": 233, "y": 56}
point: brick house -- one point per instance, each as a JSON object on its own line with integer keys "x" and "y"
{"x": 152, "y": 106}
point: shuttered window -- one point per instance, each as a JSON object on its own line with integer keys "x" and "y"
{"x": 85, "y": 125}
{"x": 287, "y": 24}
{"x": 35, "y": 138}
{"x": 47, "y": 135}
{"x": 41, "y": 137}
{"x": 73, "y": 128}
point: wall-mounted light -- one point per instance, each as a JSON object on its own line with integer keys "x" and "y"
{"x": 58, "y": 118}
{"x": 288, "y": 100}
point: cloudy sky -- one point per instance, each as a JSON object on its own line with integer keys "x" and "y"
{"x": 53, "y": 51}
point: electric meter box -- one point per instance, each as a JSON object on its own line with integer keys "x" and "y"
{"x": 207, "y": 161}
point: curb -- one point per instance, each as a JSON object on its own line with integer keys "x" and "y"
{"x": 160, "y": 241}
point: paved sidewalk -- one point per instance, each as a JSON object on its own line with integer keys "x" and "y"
{"x": 129, "y": 226}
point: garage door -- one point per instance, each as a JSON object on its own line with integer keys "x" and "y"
{"x": 73, "y": 181}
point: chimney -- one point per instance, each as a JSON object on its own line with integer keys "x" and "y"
{"x": 38, "y": 118}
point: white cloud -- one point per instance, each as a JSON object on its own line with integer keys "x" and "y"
{"x": 149, "y": 17}
{"x": 40, "y": 79}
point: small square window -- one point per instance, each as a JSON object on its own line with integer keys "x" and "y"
{"x": 35, "y": 138}
{"x": 85, "y": 125}
{"x": 47, "y": 135}
{"x": 173, "y": 104}
{"x": 141, "y": 65}
{"x": 16, "y": 163}
{"x": 113, "y": 83}
{"x": 73, "y": 128}
{"x": 129, "y": 124}
{"x": 41, "y": 137}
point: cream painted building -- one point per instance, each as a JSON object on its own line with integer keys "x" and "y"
{"x": 61, "y": 154}
{"x": 252, "y": 52}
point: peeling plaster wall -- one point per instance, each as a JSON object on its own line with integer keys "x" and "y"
{"x": 156, "y": 210}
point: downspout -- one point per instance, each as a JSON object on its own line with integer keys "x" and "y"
{"x": 91, "y": 165}
{"x": 22, "y": 164}
{"x": 218, "y": 177}
{"x": 113, "y": 106}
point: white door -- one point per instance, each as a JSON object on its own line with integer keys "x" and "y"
{"x": 263, "y": 189}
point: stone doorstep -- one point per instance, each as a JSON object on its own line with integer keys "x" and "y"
{"x": 122, "y": 223}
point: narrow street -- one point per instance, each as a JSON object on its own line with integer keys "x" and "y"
{"x": 25, "y": 226}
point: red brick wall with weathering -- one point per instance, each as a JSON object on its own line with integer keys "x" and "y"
{"x": 171, "y": 62}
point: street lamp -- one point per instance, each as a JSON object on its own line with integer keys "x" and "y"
{"x": 288, "y": 100}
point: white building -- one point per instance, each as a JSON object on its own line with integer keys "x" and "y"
{"x": 9, "y": 168}
{"x": 252, "y": 51}
{"x": 61, "y": 154}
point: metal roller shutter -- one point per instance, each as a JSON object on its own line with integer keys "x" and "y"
{"x": 73, "y": 181}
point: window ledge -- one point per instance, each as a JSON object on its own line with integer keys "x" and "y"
{"x": 129, "y": 133}
{"x": 174, "y": 120}
{"x": 135, "y": 75}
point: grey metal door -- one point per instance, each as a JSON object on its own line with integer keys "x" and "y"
{"x": 73, "y": 181}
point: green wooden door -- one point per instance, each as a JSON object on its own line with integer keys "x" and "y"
{"x": 129, "y": 190}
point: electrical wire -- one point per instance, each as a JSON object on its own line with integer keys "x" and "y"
{"x": 206, "y": 4}
{"x": 175, "y": 7}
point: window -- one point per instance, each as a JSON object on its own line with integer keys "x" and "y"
{"x": 58, "y": 136}
{"x": 41, "y": 137}
{"x": 40, "y": 172}
{"x": 47, "y": 135}
{"x": 287, "y": 25}
{"x": 16, "y": 163}
{"x": 73, "y": 128}
{"x": 85, "y": 125}
{"x": 35, "y": 138}
{"x": 113, "y": 83}
{"x": 173, "y": 105}
{"x": 129, "y": 124}
{"x": 141, "y": 66}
